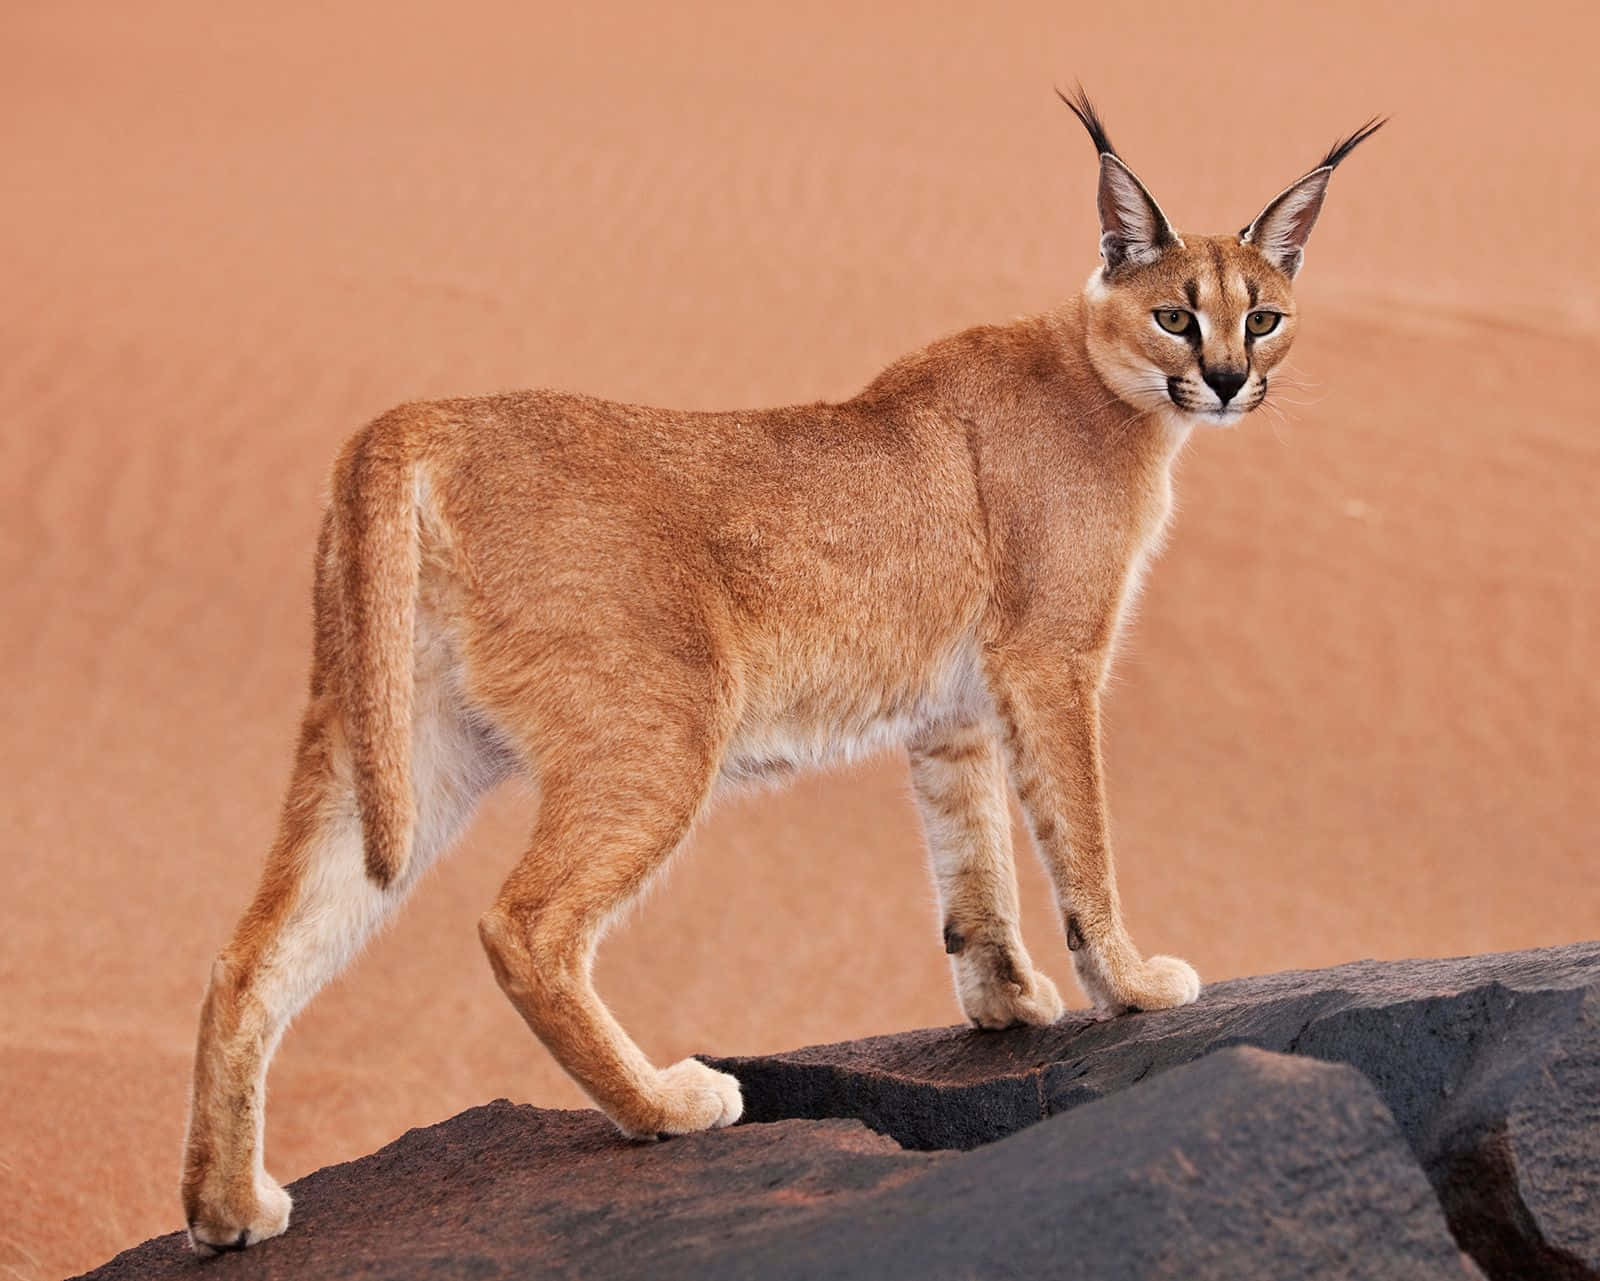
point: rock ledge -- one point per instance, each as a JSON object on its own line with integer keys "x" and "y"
{"x": 1372, "y": 1120}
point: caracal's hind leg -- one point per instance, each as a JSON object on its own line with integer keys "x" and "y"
{"x": 313, "y": 910}
{"x": 621, "y": 781}
{"x": 1048, "y": 701}
{"x": 960, "y": 785}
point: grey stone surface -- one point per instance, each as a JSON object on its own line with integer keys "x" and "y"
{"x": 1490, "y": 1064}
{"x": 1319, "y": 1124}
{"x": 1246, "y": 1164}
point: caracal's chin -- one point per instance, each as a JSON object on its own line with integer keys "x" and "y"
{"x": 1228, "y": 417}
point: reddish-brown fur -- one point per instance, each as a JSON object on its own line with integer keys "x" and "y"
{"x": 636, "y": 605}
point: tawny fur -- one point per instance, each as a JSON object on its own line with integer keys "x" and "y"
{"x": 636, "y": 605}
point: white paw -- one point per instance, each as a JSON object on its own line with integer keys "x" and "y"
{"x": 1168, "y": 982}
{"x": 215, "y": 1229}
{"x": 1160, "y": 983}
{"x": 997, "y": 1004}
{"x": 692, "y": 1096}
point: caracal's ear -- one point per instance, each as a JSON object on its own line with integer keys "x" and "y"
{"x": 1281, "y": 230}
{"x": 1133, "y": 230}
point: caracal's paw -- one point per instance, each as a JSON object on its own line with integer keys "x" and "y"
{"x": 689, "y": 1096}
{"x": 221, "y": 1226}
{"x": 998, "y": 1004}
{"x": 1166, "y": 983}
{"x": 1159, "y": 983}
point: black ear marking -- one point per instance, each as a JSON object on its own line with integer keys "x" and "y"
{"x": 1345, "y": 146}
{"x": 1132, "y": 227}
{"x": 1081, "y": 107}
{"x": 1281, "y": 229}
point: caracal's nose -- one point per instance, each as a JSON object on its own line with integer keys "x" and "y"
{"x": 1225, "y": 382}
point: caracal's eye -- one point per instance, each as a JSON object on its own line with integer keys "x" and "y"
{"x": 1261, "y": 323}
{"x": 1173, "y": 320}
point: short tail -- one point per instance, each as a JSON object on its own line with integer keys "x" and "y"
{"x": 380, "y": 562}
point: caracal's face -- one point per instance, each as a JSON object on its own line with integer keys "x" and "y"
{"x": 1196, "y": 333}
{"x": 1193, "y": 326}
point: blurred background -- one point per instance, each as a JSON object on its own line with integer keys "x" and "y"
{"x": 1355, "y": 718}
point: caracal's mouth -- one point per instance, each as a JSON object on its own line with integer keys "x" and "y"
{"x": 1212, "y": 415}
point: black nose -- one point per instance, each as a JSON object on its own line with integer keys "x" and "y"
{"x": 1225, "y": 382}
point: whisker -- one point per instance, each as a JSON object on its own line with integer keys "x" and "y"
{"x": 1291, "y": 368}
{"x": 1127, "y": 424}
{"x": 1283, "y": 415}
{"x": 1152, "y": 389}
{"x": 1276, "y": 422}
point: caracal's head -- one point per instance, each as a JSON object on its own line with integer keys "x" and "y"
{"x": 1195, "y": 325}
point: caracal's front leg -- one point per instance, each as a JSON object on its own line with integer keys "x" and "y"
{"x": 960, "y": 785}
{"x": 1049, "y": 707}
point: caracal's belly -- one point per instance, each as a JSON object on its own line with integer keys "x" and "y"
{"x": 838, "y": 712}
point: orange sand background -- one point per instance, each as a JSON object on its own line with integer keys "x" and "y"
{"x": 1357, "y": 716}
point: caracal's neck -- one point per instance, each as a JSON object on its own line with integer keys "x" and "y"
{"x": 1118, "y": 432}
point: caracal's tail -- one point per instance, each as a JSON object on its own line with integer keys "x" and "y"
{"x": 379, "y": 561}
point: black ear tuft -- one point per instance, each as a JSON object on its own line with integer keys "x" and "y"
{"x": 1132, "y": 227}
{"x": 1081, "y": 107}
{"x": 1345, "y": 146}
{"x": 1280, "y": 230}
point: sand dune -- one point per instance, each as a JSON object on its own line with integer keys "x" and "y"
{"x": 1356, "y": 716}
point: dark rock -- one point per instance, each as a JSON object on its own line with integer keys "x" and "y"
{"x": 1246, "y": 1164}
{"x": 1474, "y": 1084}
{"x": 1490, "y": 1065}
{"x": 504, "y": 1190}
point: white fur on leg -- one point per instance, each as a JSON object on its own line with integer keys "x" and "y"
{"x": 336, "y": 908}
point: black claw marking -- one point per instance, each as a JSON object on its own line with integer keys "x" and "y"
{"x": 954, "y": 942}
{"x": 1074, "y": 935}
{"x": 238, "y": 1243}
